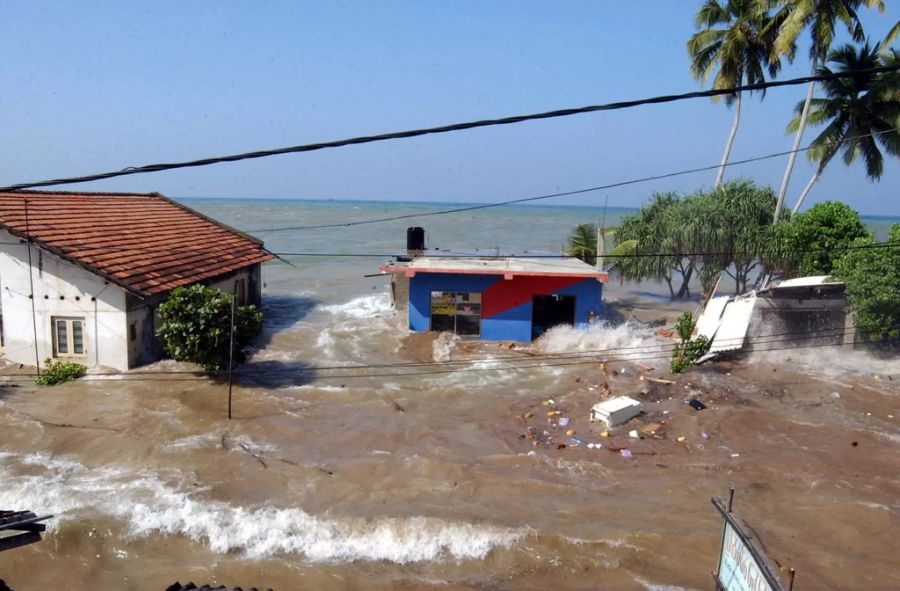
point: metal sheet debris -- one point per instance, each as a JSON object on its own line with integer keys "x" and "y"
{"x": 708, "y": 322}
{"x": 734, "y": 324}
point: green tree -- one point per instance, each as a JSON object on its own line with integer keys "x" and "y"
{"x": 872, "y": 276}
{"x": 812, "y": 241}
{"x": 649, "y": 232}
{"x": 860, "y": 113}
{"x": 736, "y": 38}
{"x": 195, "y": 324}
{"x": 820, "y": 18}
{"x": 706, "y": 233}
{"x": 582, "y": 243}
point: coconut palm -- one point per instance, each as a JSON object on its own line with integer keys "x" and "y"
{"x": 583, "y": 243}
{"x": 735, "y": 37}
{"x": 861, "y": 113}
{"x": 821, "y": 17}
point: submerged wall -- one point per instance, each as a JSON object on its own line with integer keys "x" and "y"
{"x": 506, "y": 304}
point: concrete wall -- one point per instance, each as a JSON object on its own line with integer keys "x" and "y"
{"x": 61, "y": 289}
{"x": 507, "y": 304}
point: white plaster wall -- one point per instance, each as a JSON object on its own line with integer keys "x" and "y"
{"x": 60, "y": 289}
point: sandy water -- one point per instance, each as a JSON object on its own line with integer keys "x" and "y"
{"x": 321, "y": 483}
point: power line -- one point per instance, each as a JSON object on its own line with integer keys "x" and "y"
{"x": 68, "y": 249}
{"x": 636, "y": 181}
{"x": 131, "y": 170}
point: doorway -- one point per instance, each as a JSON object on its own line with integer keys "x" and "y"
{"x": 551, "y": 310}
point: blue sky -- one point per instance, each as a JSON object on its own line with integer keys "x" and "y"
{"x": 95, "y": 86}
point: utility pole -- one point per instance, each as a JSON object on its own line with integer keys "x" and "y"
{"x": 37, "y": 357}
{"x": 231, "y": 345}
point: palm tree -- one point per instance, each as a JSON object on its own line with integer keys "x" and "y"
{"x": 820, "y": 17}
{"x": 583, "y": 243}
{"x": 861, "y": 112}
{"x": 735, "y": 36}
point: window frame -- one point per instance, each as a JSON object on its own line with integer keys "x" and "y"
{"x": 70, "y": 337}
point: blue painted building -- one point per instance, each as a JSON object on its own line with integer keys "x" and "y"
{"x": 500, "y": 299}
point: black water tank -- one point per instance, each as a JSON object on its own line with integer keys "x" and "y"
{"x": 415, "y": 239}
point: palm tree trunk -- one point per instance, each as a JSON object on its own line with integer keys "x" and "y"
{"x": 734, "y": 128}
{"x": 809, "y": 186}
{"x": 793, "y": 157}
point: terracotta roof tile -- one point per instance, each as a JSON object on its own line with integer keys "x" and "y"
{"x": 145, "y": 243}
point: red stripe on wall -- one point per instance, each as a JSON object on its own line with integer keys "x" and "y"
{"x": 509, "y": 293}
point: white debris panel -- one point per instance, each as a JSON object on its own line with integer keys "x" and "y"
{"x": 733, "y": 325}
{"x": 709, "y": 320}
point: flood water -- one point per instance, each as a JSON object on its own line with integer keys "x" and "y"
{"x": 406, "y": 474}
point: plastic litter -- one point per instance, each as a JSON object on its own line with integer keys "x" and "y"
{"x": 563, "y": 421}
{"x": 531, "y": 453}
{"x": 634, "y": 434}
{"x": 528, "y": 415}
{"x": 570, "y": 432}
{"x": 696, "y": 404}
{"x": 835, "y": 395}
{"x": 704, "y": 434}
{"x": 735, "y": 455}
{"x": 577, "y": 441}
{"x": 681, "y": 439}
{"x": 604, "y": 434}
{"x": 625, "y": 453}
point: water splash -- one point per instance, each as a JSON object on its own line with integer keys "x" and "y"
{"x": 149, "y": 505}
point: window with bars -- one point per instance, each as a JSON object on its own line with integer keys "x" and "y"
{"x": 68, "y": 337}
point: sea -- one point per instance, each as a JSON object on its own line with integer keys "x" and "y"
{"x": 353, "y": 461}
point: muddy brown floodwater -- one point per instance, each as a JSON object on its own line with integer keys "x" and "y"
{"x": 431, "y": 481}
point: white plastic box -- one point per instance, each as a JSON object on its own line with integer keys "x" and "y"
{"x": 616, "y": 411}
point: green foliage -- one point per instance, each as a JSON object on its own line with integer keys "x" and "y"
{"x": 689, "y": 350}
{"x": 872, "y": 276}
{"x": 728, "y": 229}
{"x": 735, "y": 38}
{"x": 811, "y": 242}
{"x": 195, "y": 326}
{"x": 860, "y": 113}
{"x": 583, "y": 243}
{"x": 57, "y": 372}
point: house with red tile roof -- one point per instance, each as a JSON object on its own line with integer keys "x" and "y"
{"x": 81, "y": 274}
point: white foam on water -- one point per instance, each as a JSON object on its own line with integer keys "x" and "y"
{"x": 655, "y": 587}
{"x": 625, "y": 341}
{"x": 442, "y": 347}
{"x": 369, "y": 306}
{"x": 149, "y": 505}
{"x": 832, "y": 362}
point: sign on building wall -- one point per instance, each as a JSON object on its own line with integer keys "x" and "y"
{"x": 742, "y": 564}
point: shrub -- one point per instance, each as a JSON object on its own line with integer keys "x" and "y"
{"x": 872, "y": 276}
{"x": 689, "y": 350}
{"x": 57, "y": 372}
{"x": 195, "y": 324}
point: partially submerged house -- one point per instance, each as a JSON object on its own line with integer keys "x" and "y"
{"x": 494, "y": 298}
{"x": 795, "y": 312}
{"x": 81, "y": 274}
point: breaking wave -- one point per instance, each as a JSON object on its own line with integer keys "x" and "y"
{"x": 148, "y": 505}
{"x": 625, "y": 340}
{"x": 362, "y": 307}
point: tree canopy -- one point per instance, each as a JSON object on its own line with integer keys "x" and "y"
{"x": 705, "y": 233}
{"x": 872, "y": 276}
{"x": 812, "y": 241}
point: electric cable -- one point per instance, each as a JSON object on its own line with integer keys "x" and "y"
{"x": 132, "y": 170}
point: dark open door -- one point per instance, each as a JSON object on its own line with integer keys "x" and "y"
{"x": 551, "y": 310}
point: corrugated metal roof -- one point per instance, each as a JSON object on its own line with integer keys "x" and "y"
{"x": 733, "y": 325}
{"x": 145, "y": 243}
{"x": 708, "y": 322}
